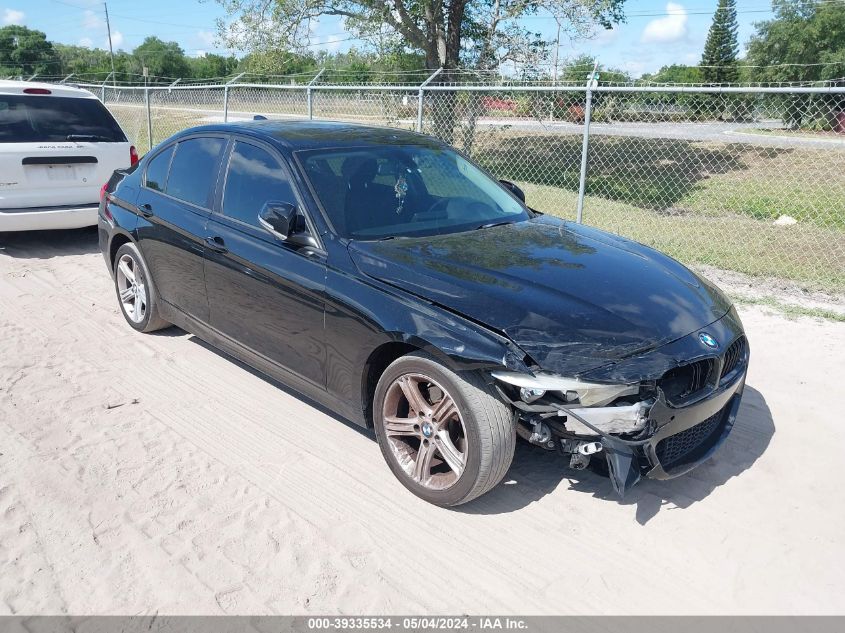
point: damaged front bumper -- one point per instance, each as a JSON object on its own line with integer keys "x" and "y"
{"x": 654, "y": 428}
{"x": 683, "y": 438}
{"x": 671, "y": 442}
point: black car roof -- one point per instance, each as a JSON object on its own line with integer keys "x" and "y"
{"x": 306, "y": 135}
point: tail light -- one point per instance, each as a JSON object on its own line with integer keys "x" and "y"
{"x": 37, "y": 91}
{"x": 133, "y": 155}
{"x": 104, "y": 198}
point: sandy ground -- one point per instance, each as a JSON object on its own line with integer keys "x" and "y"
{"x": 146, "y": 474}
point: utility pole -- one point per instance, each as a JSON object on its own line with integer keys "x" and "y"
{"x": 557, "y": 52}
{"x": 554, "y": 71}
{"x": 111, "y": 50}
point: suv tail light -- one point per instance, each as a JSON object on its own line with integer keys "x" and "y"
{"x": 133, "y": 155}
{"x": 103, "y": 191}
{"x": 37, "y": 91}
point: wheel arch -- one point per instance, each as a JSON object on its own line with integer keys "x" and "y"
{"x": 400, "y": 345}
{"x": 117, "y": 240}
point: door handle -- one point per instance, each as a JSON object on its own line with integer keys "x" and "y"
{"x": 146, "y": 210}
{"x": 216, "y": 243}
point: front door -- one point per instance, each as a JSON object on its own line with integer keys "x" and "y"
{"x": 265, "y": 293}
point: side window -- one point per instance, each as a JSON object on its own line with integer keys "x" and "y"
{"x": 194, "y": 170}
{"x": 156, "y": 176}
{"x": 255, "y": 177}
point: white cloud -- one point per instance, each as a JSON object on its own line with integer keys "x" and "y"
{"x": 86, "y": 42}
{"x": 330, "y": 44}
{"x": 92, "y": 21}
{"x": 206, "y": 38}
{"x": 636, "y": 68}
{"x": 199, "y": 53}
{"x": 671, "y": 28}
{"x": 116, "y": 40}
{"x": 13, "y": 16}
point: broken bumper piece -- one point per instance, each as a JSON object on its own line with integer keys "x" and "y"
{"x": 650, "y": 439}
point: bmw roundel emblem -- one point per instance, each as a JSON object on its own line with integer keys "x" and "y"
{"x": 708, "y": 340}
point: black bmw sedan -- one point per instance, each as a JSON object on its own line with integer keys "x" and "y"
{"x": 386, "y": 276}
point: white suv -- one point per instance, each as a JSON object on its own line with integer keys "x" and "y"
{"x": 58, "y": 145}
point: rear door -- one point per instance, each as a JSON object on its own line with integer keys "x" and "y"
{"x": 266, "y": 294}
{"x": 178, "y": 186}
{"x": 56, "y": 150}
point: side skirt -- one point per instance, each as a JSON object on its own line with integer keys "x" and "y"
{"x": 272, "y": 370}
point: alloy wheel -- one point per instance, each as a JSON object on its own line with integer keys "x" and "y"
{"x": 131, "y": 288}
{"x": 425, "y": 431}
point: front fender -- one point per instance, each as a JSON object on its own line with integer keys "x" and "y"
{"x": 364, "y": 314}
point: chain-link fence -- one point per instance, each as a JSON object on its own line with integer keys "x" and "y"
{"x": 750, "y": 179}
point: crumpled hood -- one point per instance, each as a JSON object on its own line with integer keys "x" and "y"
{"x": 572, "y": 297}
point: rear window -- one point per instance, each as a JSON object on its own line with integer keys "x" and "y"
{"x": 193, "y": 170}
{"x": 35, "y": 119}
{"x": 157, "y": 171}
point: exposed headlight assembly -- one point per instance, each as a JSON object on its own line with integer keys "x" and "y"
{"x": 587, "y": 394}
{"x": 588, "y": 402}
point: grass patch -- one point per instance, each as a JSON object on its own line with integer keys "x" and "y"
{"x": 808, "y": 254}
{"x": 809, "y": 135}
{"x": 675, "y": 176}
{"x": 791, "y": 310}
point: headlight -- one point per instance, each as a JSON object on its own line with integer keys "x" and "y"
{"x": 531, "y": 394}
{"x": 588, "y": 394}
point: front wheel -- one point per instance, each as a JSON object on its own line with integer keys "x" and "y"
{"x": 446, "y": 436}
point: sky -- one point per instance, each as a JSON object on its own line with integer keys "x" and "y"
{"x": 656, "y": 33}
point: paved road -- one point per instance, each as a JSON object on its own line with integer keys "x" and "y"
{"x": 707, "y": 131}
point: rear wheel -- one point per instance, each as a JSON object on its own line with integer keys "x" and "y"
{"x": 135, "y": 290}
{"x": 446, "y": 436}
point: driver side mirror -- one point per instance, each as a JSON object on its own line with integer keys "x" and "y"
{"x": 277, "y": 217}
{"x": 514, "y": 189}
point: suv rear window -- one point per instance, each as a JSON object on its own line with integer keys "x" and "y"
{"x": 34, "y": 119}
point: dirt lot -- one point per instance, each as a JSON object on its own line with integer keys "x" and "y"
{"x": 149, "y": 473}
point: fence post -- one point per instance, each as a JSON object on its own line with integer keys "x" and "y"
{"x": 592, "y": 82}
{"x": 309, "y": 95}
{"x": 149, "y": 117}
{"x": 422, "y": 94}
{"x": 103, "y": 88}
{"x": 226, "y": 97}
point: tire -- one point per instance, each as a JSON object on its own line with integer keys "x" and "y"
{"x": 478, "y": 434}
{"x": 131, "y": 276}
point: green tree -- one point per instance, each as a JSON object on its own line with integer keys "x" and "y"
{"x": 804, "y": 42}
{"x": 162, "y": 59}
{"x": 718, "y": 63}
{"x": 82, "y": 61}
{"x": 678, "y": 74}
{"x": 277, "y": 62}
{"x": 26, "y": 51}
{"x": 448, "y": 33}
{"x": 675, "y": 74}
{"x": 211, "y": 65}
{"x": 481, "y": 33}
